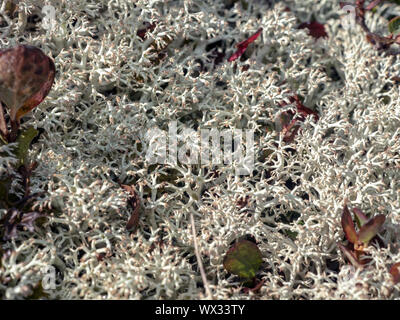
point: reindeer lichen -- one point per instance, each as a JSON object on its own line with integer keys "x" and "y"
{"x": 125, "y": 67}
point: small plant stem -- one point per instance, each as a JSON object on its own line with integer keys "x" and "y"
{"x": 199, "y": 261}
{"x": 3, "y": 125}
{"x": 380, "y": 42}
{"x": 14, "y": 130}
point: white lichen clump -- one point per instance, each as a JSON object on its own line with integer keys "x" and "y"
{"x": 112, "y": 86}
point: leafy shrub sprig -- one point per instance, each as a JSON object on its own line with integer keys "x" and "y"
{"x": 379, "y": 42}
{"x": 26, "y": 77}
{"x": 359, "y": 241}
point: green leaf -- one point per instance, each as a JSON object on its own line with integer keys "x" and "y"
{"x": 348, "y": 226}
{"x": 38, "y": 293}
{"x": 245, "y": 5}
{"x": 361, "y": 218}
{"x": 369, "y": 230}
{"x": 24, "y": 141}
{"x": 243, "y": 259}
{"x": 394, "y": 25}
{"x": 291, "y": 234}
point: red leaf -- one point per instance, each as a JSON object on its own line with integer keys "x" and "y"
{"x": 348, "y": 226}
{"x": 395, "y": 272}
{"x": 316, "y": 29}
{"x": 242, "y": 46}
{"x": 369, "y": 230}
{"x": 302, "y": 109}
{"x": 289, "y": 119}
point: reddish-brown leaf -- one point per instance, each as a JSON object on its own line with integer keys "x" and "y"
{"x": 134, "y": 202}
{"x": 290, "y": 130}
{"x": 395, "y": 272}
{"x": 26, "y": 77}
{"x": 37, "y": 98}
{"x": 242, "y": 46}
{"x": 302, "y": 109}
{"x": 289, "y": 120}
{"x": 316, "y": 29}
{"x": 350, "y": 256}
{"x": 348, "y": 226}
{"x": 370, "y": 229}
{"x": 379, "y": 41}
{"x": 373, "y": 4}
{"x": 142, "y": 32}
{"x": 396, "y": 79}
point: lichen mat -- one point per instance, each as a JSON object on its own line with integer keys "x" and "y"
{"x": 326, "y": 121}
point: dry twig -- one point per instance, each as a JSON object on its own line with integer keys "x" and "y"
{"x": 198, "y": 257}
